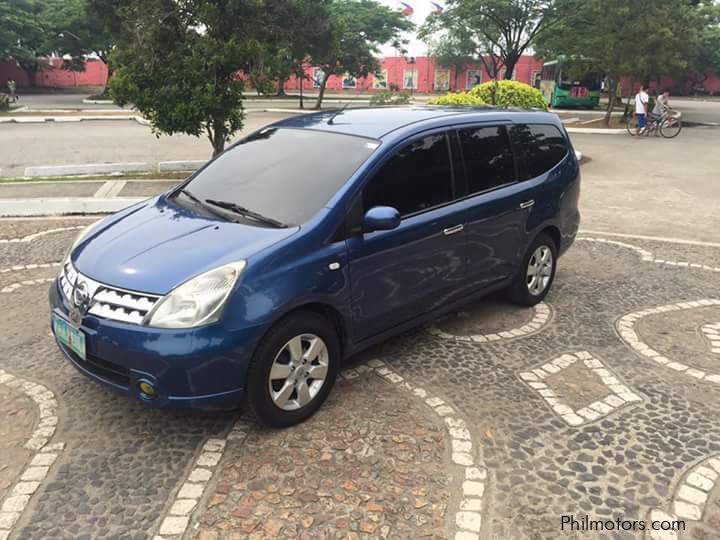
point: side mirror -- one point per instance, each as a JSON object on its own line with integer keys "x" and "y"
{"x": 381, "y": 218}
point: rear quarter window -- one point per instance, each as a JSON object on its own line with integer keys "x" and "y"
{"x": 541, "y": 147}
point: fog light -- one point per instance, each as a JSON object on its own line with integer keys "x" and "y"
{"x": 147, "y": 389}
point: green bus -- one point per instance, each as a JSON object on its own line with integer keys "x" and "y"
{"x": 565, "y": 85}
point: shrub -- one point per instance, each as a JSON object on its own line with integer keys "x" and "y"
{"x": 510, "y": 94}
{"x": 390, "y": 98}
{"x": 457, "y": 98}
{"x": 4, "y": 102}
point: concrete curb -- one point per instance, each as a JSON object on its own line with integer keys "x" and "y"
{"x": 63, "y": 119}
{"x": 596, "y": 131}
{"x": 98, "y": 101}
{"x": 64, "y": 205}
{"x": 180, "y": 166}
{"x": 87, "y": 168}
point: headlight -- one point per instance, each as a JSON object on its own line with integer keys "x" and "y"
{"x": 198, "y": 301}
{"x": 79, "y": 238}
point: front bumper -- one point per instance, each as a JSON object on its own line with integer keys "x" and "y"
{"x": 191, "y": 368}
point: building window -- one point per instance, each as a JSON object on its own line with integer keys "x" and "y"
{"x": 410, "y": 78}
{"x": 474, "y": 77}
{"x": 442, "y": 80}
{"x": 349, "y": 81}
{"x": 380, "y": 81}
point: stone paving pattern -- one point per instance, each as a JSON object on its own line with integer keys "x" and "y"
{"x": 18, "y": 418}
{"x": 123, "y": 463}
{"x": 372, "y": 463}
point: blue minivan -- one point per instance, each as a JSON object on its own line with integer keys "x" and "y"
{"x": 309, "y": 240}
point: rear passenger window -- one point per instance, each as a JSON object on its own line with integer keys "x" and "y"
{"x": 541, "y": 145}
{"x": 416, "y": 178}
{"x": 488, "y": 157}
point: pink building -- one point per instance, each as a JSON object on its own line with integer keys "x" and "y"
{"x": 52, "y": 75}
{"x": 421, "y": 75}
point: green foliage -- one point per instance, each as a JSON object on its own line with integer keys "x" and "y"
{"x": 390, "y": 98}
{"x": 4, "y": 102}
{"x": 510, "y": 94}
{"x": 493, "y": 32}
{"x": 178, "y": 62}
{"x": 20, "y": 31}
{"x": 642, "y": 39}
{"x": 457, "y": 98}
{"x": 73, "y": 30}
{"x": 356, "y": 30}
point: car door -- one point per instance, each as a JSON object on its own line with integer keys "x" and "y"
{"x": 398, "y": 274}
{"x": 496, "y": 204}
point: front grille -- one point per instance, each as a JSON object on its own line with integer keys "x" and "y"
{"x": 108, "y": 302}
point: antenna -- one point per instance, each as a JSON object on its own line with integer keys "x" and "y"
{"x": 330, "y": 120}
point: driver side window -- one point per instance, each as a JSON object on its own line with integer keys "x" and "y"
{"x": 416, "y": 178}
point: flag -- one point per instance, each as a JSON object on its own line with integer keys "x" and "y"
{"x": 407, "y": 9}
{"x": 438, "y": 7}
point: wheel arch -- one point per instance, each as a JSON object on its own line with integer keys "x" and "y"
{"x": 554, "y": 233}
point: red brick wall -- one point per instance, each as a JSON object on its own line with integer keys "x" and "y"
{"x": 397, "y": 67}
{"x": 53, "y": 76}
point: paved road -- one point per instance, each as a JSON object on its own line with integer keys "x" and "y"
{"x": 75, "y": 101}
{"x": 24, "y": 145}
{"x": 652, "y": 186}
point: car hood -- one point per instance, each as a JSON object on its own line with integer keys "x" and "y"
{"x": 155, "y": 246}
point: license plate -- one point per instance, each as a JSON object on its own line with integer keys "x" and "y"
{"x": 71, "y": 337}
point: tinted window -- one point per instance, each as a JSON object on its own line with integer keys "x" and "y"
{"x": 542, "y": 147}
{"x": 416, "y": 178}
{"x": 488, "y": 157}
{"x": 285, "y": 174}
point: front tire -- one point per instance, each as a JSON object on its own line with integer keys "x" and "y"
{"x": 536, "y": 274}
{"x": 293, "y": 369}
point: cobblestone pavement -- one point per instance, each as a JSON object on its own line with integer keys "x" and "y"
{"x": 576, "y": 410}
{"x": 371, "y": 462}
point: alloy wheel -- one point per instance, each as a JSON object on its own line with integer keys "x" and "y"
{"x": 539, "y": 270}
{"x": 298, "y": 372}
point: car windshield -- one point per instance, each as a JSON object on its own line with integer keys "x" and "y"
{"x": 284, "y": 174}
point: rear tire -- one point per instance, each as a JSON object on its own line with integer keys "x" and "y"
{"x": 536, "y": 274}
{"x": 293, "y": 369}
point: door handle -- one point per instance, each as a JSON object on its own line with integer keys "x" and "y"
{"x": 527, "y": 204}
{"x": 453, "y": 230}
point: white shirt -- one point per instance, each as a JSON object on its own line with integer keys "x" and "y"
{"x": 641, "y": 98}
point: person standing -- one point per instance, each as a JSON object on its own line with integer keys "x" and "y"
{"x": 641, "y": 109}
{"x": 12, "y": 87}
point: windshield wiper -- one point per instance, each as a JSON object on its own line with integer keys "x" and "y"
{"x": 242, "y": 211}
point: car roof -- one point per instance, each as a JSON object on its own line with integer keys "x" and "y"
{"x": 379, "y": 122}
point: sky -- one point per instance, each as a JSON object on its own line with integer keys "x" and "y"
{"x": 422, "y": 8}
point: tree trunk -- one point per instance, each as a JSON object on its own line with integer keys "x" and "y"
{"x": 216, "y": 134}
{"x": 302, "y": 83}
{"x": 612, "y": 94}
{"x": 281, "y": 87}
{"x": 323, "y": 84}
{"x": 510, "y": 63}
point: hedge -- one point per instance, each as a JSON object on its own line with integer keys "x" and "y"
{"x": 510, "y": 94}
{"x": 457, "y": 98}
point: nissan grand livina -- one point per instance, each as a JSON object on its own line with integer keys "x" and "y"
{"x": 309, "y": 240}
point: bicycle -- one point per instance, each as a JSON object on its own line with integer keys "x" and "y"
{"x": 668, "y": 124}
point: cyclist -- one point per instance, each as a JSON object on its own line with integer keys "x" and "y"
{"x": 662, "y": 104}
{"x": 641, "y": 109}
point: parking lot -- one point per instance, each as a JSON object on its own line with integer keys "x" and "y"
{"x": 497, "y": 421}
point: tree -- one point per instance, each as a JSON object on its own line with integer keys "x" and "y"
{"x": 639, "y": 39}
{"x": 356, "y": 29}
{"x": 706, "y": 58}
{"x": 75, "y": 31}
{"x": 494, "y": 32}
{"x": 179, "y": 63}
{"x": 20, "y": 32}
